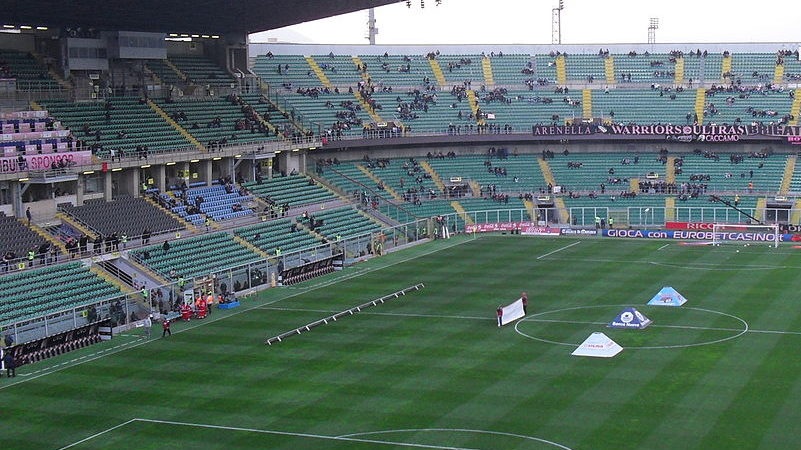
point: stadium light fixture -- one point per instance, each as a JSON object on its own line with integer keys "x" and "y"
{"x": 145, "y": 166}
{"x": 41, "y": 28}
{"x": 184, "y": 35}
{"x": 171, "y": 163}
{"x": 118, "y": 169}
{"x": 194, "y": 161}
{"x": 216, "y": 159}
{"x": 214, "y": 36}
{"x": 295, "y": 149}
{"x": 9, "y": 26}
{"x": 195, "y": 35}
{"x": 312, "y": 148}
{"x": 173, "y": 34}
{"x": 277, "y": 152}
{"x": 25, "y": 27}
{"x": 89, "y": 172}
{"x": 237, "y": 156}
{"x": 23, "y": 179}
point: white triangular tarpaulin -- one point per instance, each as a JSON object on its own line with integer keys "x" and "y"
{"x": 598, "y": 345}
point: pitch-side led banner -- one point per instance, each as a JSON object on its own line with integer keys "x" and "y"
{"x": 527, "y": 228}
{"x": 699, "y": 235}
{"x": 512, "y": 312}
{"x": 701, "y": 226}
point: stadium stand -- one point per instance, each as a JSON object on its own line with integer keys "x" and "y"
{"x": 196, "y": 256}
{"x": 522, "y": 172}
{"x": 125, "y": 124}
{"x": 216, "y": 120}
{"x": 50, "y": 289}
{"x": 587, "y": 171}
{"x": 346, "y": 221}
{"x": 217, "y": 202}
{"x": 129, "y": 216}
{"x": 276, "y": 234}
{"x": 30, "y": 75}
{"x": 295, "y": 190}
{"x": 202, "y": 71}
{"x": 163, "y": 71}
{"x": 15, "y": 237}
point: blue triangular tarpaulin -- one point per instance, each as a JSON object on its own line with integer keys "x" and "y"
{"x": 630, "y": 318}
{"x": 668, "y": 297}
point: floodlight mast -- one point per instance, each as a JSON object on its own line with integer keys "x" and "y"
{"x": 653, "y": 25}
{"x": 372, "y": 31}
{"x": 556, "y": 23}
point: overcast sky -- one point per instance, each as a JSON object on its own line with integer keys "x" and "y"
{"x": 583, "y": 21}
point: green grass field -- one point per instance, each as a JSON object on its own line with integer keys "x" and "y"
{"x": 432, "y": 369}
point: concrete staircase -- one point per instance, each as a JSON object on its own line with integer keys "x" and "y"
{"x": 319, "y": 72}
{"x": 35, "y": 106}
{"x": 546, "y": 171}
{"x": 175, "y": 125}
{"x": 460, "y": 210}
{"x": 438, "y": 74}
{"x": 670, "y": 209}
{"x": 778, "y": 74}
{"x": 367, "y": 108}
{"x": 74, "y": 224}
{"x": 670, "y": 169}
{"x": 700, "y": 103}
{"x": 357, "y": 61}
{"x": 473, "y": 101}
{"x": 474, "y": 188}
{"x": 586, "y": 103}
{"x": 759, "y": 211}
{"x": 795, "y": 217}
{"x": 787, "y": 178}
{"x": 486, "y": 68}
{"x": 561, "y": 71}
{"x": 434, "y": 175}
{"x": 378, "y": 180}
{"x": 609, "y": 70}
{"x": 47, "y": 236}
{"x": 795, "y": 109}
{"x": 725, "y": 67}
{"x": 109, "y": 278}
{"x": 251, "y": 247}
{"x": 678, "y": 78}
{"x": 175, "y": 69}
{"x": 530, "y": 208}
{"x": 561, "y": 208}
{"x": 189, "y": 226}
{"x": 634, "y": 185}
{"x": 152, "y": 74}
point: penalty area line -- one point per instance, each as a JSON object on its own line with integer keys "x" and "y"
{"x": 559, "y": 250}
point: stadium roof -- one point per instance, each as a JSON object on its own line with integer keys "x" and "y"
{"x": 177, "y": 16}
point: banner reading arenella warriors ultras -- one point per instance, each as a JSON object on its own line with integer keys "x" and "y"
{"x": 708, "y": 133}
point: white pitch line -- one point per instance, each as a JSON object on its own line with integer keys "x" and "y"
{"x": 97, "y": 434}
{"x": 660, "y": 248}
{"x": 122, "y": 347}
{"x": 304, "y": 435}
{"x": 569, "y": 322}
{"x": 559, "y": 250}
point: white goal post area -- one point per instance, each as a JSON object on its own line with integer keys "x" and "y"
{"x": 724, "y": 233}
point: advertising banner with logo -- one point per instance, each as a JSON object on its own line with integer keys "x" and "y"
{"x": 44, "y": 162}
{"x": 578, "y": 232}
{"x": 526, "y": 228}
{"x": 699, "y": 235}
{"x": 678, "y": 133}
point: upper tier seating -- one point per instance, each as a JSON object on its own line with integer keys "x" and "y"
{"x": 214, "y": 120}
{"x": 197, "y": 255}
{"x": 50, "y": 289}
{"x": 295, "y": 190}
{"x": 16, "y": 237}
{"x": 124, "y": 215}
{"x": 130, "y": 123}
{"x": 29, "y": 73}
{"x": 163, "y": 71}
{"x": 347, "y": 177}
{"x": 202, "y": 71}
{"x": 404, "y": 175}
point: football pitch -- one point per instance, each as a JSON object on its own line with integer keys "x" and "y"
{"x": 432, "y": 369}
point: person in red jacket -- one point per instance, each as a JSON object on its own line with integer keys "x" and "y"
{"x": 524, "y": 297}
{"x": 166, "y": 328}
{"x": 500, "y": 315}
